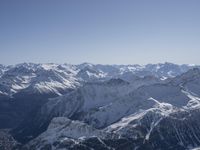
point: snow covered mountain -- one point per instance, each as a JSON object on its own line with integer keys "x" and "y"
{"x": 66, "y": 129}
{"x": 41, "y": 78}
{"x": 89, "y": 106}
{"x": 139, "y": 114}
{"x": 55, "y": 78}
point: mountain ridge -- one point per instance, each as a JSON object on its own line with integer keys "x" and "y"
{"x": 129, "y": 103}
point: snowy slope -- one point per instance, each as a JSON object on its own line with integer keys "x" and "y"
{"x": 103, "y": 103}
{"x": 133, "y": 101}
{"x": 62, "y": 129}
{"x": 55, "y": 78}
{"x": 168, "y": 98}
{"x": 41, "y": 78}
{"x": 138, "y": 112}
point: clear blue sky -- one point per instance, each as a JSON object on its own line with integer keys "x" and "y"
{"x": 100, "y": 31}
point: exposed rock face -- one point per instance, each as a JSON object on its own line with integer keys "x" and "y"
{"x": 7, "y": 142}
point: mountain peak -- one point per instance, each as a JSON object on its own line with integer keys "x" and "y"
{"x": 117, "y": 81}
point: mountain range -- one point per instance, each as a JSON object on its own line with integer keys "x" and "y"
{"x": 102, "y": 107}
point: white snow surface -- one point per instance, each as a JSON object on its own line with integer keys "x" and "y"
{"x": 61, "y": 128}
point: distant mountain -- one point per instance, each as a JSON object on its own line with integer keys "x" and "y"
{"x": 55, "y": 78}
{"x": 39, "y": 78}
{"x": 87, "y": 106}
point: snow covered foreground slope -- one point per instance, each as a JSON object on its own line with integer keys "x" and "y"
{"x": 115, "y": 114}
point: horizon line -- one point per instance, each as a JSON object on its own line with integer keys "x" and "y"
{"x": 106, "y": 64}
